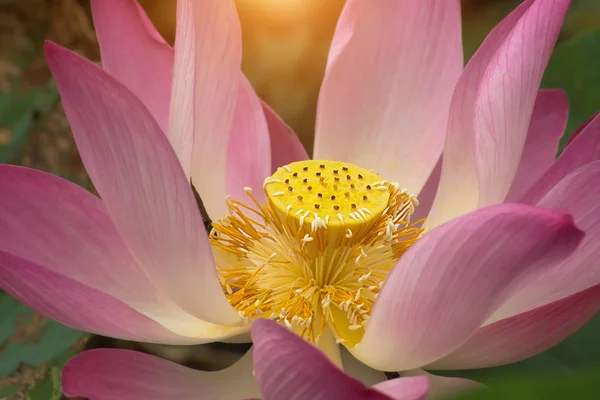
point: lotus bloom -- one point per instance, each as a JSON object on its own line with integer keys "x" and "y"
{"x": 285, "y": 367}
{"x": 335, "y": 251}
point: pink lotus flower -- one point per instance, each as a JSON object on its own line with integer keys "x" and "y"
{"x": 285, "y": 366}
{"x": 482, "y": 283}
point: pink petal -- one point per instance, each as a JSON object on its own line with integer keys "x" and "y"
{"x": 286, "y": 148}
{"x": 579, "y": 195}
{"x": 583, "y": 149}
{"x": 77, "y": 305}
{"x": 547, "y": 126}
{"x": 133, "y": 55}
{"x": 249, "y": 151}
{"x": 455, "y": 277}
{"x": 142, "y": 185}
{"x": 492, "y": 107}
{"x": 56, "y": 224}
{"x": 217, "y": 126}
{"x": 181, "y": 121}
{"x": 522, "y": 336}
{"x": 215, "y": 84}
{"x": 386, "y": 93}
{"x": 288, "y": 367}
{"x": 111, "y": 374}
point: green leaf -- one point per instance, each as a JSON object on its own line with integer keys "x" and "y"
{"x": 47, "y": 389}
{"x": 19, "y": 114}
{"x": 557, "y": 387}
{"x": 28, "y": 338}
{"x": 8, "y": 391}
{"x": 33, "y": 349}
{"x": 574, "y": 68}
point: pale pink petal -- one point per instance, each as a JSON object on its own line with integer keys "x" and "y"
{"x": 288, "y": 367}
{"x": 181, "y": 120}
{"x": 286, "y": 148}
{"x": 507, "y": 96}
{"x": 217, "y": 126}
{"x": 77, "y": 305}
{"x": 455, "y": 277}
{"x": 133, "y": 55}
{"x": 386, "y": 93}
{"x": 111, "y": 374}
{"x": 442, "y": 387}
{"x": 414, "y": 387}
{"x": 249, "y": 151}
{"x": 58, "y": 225}
{"x": 492, "y": 107}
{"x": 581, "y": 150}
{"x": 217, "y": 65}
{"x": 142, "y": 185}
{"x": 579, "y": 195}
{"x": 458, "y": 189}
{"x": 547, "y": 126}
{"x": 522, "y": 336}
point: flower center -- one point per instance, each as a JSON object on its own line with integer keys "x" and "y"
{"x": 316, "y": 253}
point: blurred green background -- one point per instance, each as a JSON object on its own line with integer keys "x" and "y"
{"x": 285, "y": 46}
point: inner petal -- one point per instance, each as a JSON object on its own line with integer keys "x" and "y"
{"x": 318, "y": 250}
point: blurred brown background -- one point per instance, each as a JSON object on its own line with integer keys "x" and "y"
{"x": 285, "y": 48}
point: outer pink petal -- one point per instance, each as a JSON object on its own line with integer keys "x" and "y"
{"x": 288, "y": 367}
{"x": 77, "y": 305}
{"x": 455, "y": 277}
{"x": 133, "y": 55}
{"x": 142, "y": 184}
{"x": 286, "y": 148}
{"x": 110, "y": 374}
{"x": 217, "y": 66}
{"x": 60, "y": 226}
{"x": 583, "y": 149}
{"x": 521, "y": 336}
{"x": 579, "y": 195}
{"x": 547, "y": 126}
{"x": 249, "y": 151}
{"x": 492, "y": 107}
{"x": 386, "y": 93}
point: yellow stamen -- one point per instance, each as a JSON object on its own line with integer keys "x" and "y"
{"x": 324, "y": 243}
